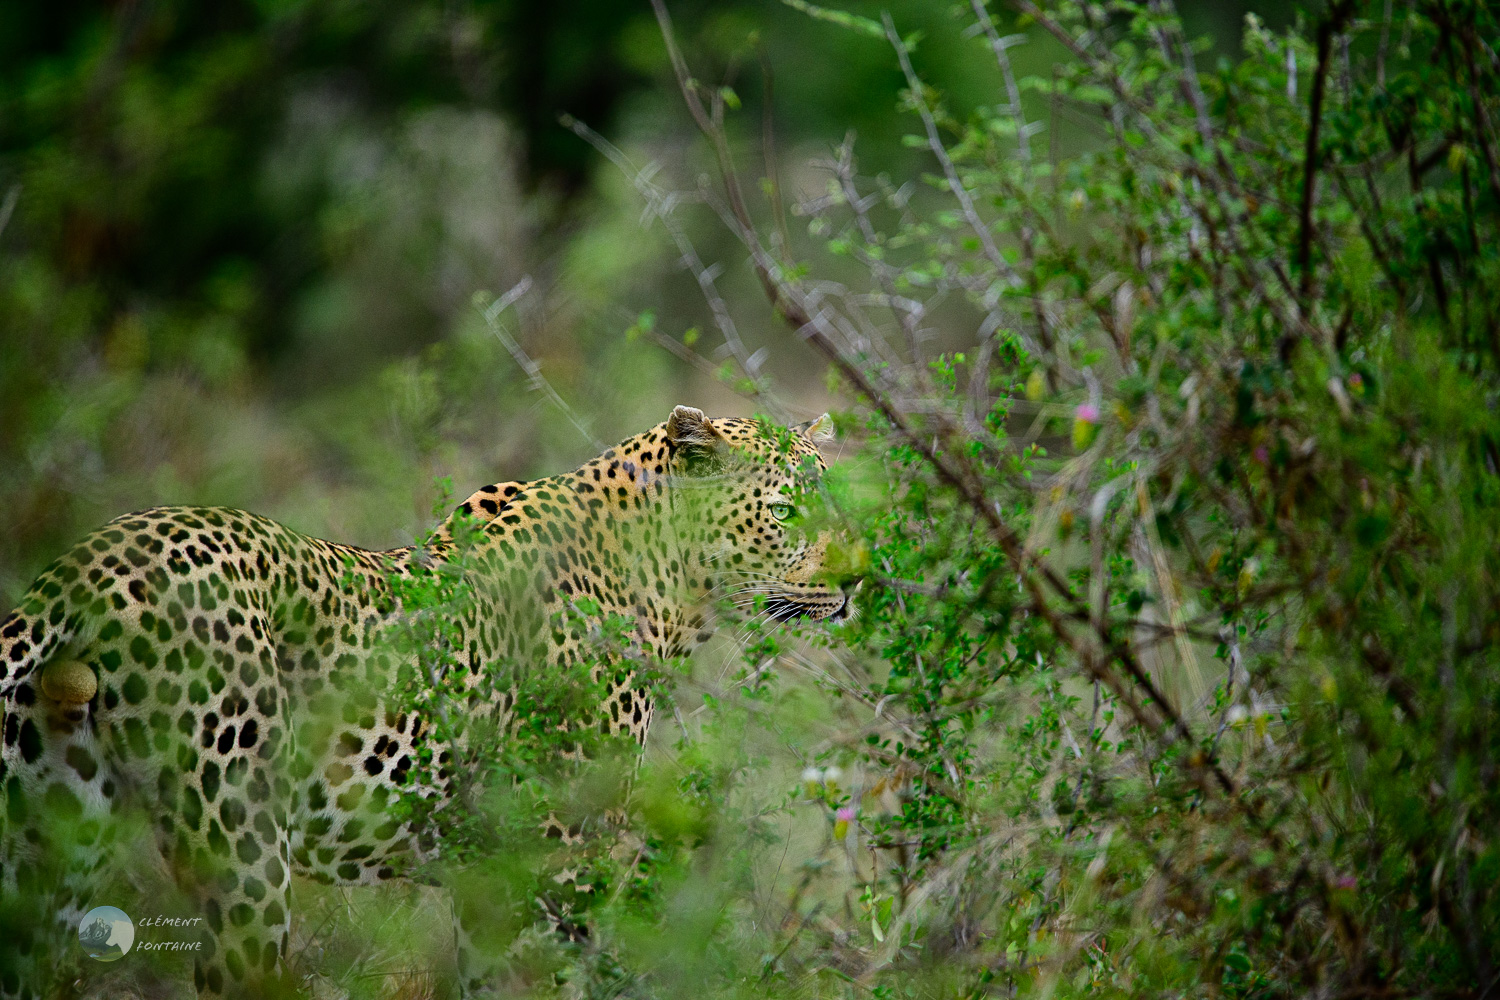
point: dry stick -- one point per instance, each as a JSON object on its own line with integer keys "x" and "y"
{"x": 1012, "y": 91}
{"x": 768, "y": 270}
{"x": 950, "y": 173}
{"x": 1090, "y": 60}
{"x": 531, "y": 368}
{"x": 1326, "y": 29}
{"x": 768, "y": 148}
{"x": 844, "y": 171}
{"x": 1143, "y": 112}
{"x": 1385, "y": 41}
{"x": 1190, "y": 84}
{"x": 1251, "y": 811}
{"x": 691, "y": 356}
{"x": 1206, "y": 134}
{"x": 999, "y": 46}
{"x": 660, "y": 205}
{"x": 1014, "y": 549}
{"x": 862, "y": 335}
{"x": 1217, "y": 184}
{"x": 711, "y": 126}
{"x": 961, "y": 193}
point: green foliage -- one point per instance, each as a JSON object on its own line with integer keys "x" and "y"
{"x": 1175, "y": 668}
{"x": 1170, "y": 464}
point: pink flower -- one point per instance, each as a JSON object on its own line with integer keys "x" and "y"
{"x": 1261, "y": 455}
{"x": 1087, "y": 412}
{"x": 842, "y": 817}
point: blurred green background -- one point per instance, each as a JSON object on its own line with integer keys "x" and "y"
{"x": 240, "y": 241}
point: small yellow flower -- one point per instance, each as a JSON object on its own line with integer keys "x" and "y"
{"x": 1036, "y": 385}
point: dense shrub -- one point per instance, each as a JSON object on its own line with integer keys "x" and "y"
{"x": 1169, "y": 461}
{"x": 1177, "y": 666}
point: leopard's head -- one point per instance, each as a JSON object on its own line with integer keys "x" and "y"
{"x": 736, "y": 486}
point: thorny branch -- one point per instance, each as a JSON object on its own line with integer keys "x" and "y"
{"x": 539, "y": 383}
{"x": 1211, "y": 223}
{"x": 1163, "y": 720}
{"x": 1330, "y": 25}
{"x": 661, "y": 205}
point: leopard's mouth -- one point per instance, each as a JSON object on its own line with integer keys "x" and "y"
{"x": 784, "y": 609}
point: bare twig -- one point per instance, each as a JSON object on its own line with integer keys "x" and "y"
{"x": 768, "y": 146}
{"x": 8, "y": 206}
{"x": 1044, "y": 346}
{"x": 1190, "y": 85}
{"x": 999, "y": 45}
{"x": 1330, "y": 25}
{"x": 533, "y": 370}
{"x": 660, "y": 206}
{"x": 939, "y": 151}
{"x": 884, "y": 273}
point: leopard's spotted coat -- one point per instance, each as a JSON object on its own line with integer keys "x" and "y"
{"x": 224, "y": 642}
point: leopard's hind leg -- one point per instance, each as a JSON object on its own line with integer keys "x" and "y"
{"x": 61, "y": 826}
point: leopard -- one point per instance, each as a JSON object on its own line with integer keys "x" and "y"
{"x": 207, "y": 668}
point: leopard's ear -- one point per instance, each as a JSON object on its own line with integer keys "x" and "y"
{"x": 819, "y": 431}
{"x": 688, "y": 427}
{"x": 695, "y": 440}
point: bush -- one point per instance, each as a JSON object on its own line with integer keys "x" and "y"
{"x": 1176, "y": 672}
{"x": 1170, "y": 461}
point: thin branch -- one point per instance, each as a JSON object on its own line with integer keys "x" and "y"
{"x": 1012, "y": 91}
{"x": 981, "y": 229}
{"x": 768, "y": 147}
{"x": 533, "y": 370}
{"x": 1190, "y": 83}
{"x": 710, "y": 124}
{"x": 8, "y": 206}
{"x": 660, "y": 205}
{"x": 1326, "y": 30}
{"x": 884, "y": 273}
{"x": 940, "y": 152}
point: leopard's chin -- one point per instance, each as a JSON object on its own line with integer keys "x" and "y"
{"x": 843, "y": 612}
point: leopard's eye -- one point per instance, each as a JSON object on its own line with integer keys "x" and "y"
{"x": 781, "y": 511}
